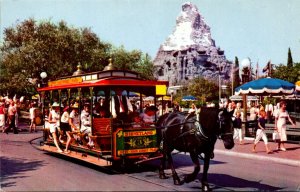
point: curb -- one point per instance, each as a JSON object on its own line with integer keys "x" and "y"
{"x": 264, "y": 158}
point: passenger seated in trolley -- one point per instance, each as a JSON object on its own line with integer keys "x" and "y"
{"x": 86, "y": 123}
{"x": 74, "y": 122}
{"x": 137, "y": 121}
{"x": 148, "y": 117}
{"x": 54, "y": 123}
{"x": 101, "y": 110}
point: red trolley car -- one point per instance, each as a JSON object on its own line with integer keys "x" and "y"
{"x": 115, "y": 139}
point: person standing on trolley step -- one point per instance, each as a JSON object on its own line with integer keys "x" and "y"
{"x": 54, "y": 121}
{"x": 65, "y": 128}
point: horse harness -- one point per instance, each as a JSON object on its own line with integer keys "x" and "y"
{"x": 197, "y": 131}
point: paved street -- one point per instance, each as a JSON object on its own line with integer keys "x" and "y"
{"x": 24, "y": 168}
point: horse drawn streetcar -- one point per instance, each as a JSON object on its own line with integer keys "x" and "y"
{"x": 103, "y": 105}
{"x": 111, "y": 132}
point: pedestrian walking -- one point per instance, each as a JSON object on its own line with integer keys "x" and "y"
{"x": 32, "y": 126}
{"x": 11, "y": 118}
{"x": 237, "y": 125}
{"x": 260, "y": 132}
{"x": 18, "y": 113}
{"x": 280, "y": 124}
{"x": 2, "y": 115}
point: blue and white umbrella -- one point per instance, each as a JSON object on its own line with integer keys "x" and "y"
{"x": 266, "y": 86}
{"x": 189, "y": 98}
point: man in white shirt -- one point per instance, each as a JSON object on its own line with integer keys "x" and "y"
{"x": 120, "y": 106}
{"x": 269, "y": 110}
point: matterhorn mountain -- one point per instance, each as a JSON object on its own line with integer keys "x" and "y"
{"x": 190, "y": 51}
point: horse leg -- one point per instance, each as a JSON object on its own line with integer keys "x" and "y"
{"x": 205, "y": 186}
{"x": 174, "y": 174}
{"x": 191, "y": 177}
{"x": 162, "y": 167}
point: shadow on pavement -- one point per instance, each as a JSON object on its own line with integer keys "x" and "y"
{"x": 13, "y": 168}
{"x": 220, "y": 181}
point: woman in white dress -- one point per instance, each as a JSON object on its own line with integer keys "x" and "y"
{"x": 280, "y": 124}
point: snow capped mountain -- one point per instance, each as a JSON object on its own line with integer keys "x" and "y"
{"x": 190, "y": 51}
{"x": 190, "y": 30}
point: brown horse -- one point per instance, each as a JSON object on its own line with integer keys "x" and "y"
{"x": 184, "y": 133}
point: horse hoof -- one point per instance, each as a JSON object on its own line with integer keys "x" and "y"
{"x": 178, "y": 182}
{"x": 205, "y": 188}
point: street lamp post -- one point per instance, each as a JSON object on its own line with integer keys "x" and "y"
{"x": 246, "y": 64}
{"x": 224, "y": 87}
{"x": 43, "y": 75}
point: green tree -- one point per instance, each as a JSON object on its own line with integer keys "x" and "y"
{"x": 236, "y": 74}
{"x": 31, "y": 48}
{"x": 203, "y": 89}
{"x": 290, "y": 59}
{"x": 286, "y": 73}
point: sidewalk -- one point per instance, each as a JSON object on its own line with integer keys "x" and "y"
{"x": 291, "y": 156}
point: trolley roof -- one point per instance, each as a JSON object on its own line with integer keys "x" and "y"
{"x": 108, "y": 78}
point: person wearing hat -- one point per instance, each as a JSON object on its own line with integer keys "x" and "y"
{"x": 74, "y": 122}
{"x": 54, "y": 121}
{"x": 74, "y": 117}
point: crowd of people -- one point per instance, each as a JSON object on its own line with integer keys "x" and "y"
{"x": 67, "y": 119}
{"x": 9, "y": 115}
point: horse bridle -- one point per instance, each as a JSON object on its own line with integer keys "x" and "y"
{"x": 220, "y": 127}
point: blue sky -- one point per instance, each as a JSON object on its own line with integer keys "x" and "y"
{"x": 259, "y": 29}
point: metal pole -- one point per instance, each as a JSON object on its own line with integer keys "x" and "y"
{"x": 219, "y": 83}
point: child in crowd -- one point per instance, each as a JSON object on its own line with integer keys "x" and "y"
{"x": 260, "y": 133}
{"x": 238, "y": 128}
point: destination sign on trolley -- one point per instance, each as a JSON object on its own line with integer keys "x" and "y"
{"x": 137, "y": 151}
{"x": 72, "y": 80}
{"x": 139, "y": 133}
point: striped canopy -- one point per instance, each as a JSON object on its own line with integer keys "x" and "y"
{"x": 266, "y": 86}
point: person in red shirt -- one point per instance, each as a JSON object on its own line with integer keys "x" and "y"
{"x": 11, "y": 117}
{"x": 2, "y": 115}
